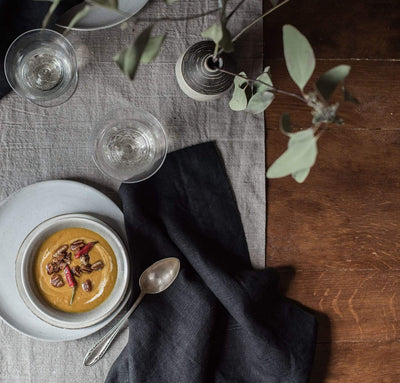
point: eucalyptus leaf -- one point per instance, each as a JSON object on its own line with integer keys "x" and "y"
{"x": 226, "y": 42}
{"x": 50, "y": 12}
{"x": 328, "y": 82}
{"x": 284, "y": 124}
{"x": 218, "y": 32}
{"x": 266, "y": 78}
{"x": 300, "y": 155}
{"x": 299, "y": 56}
{"x": 81, "y": 14}
{"x": 220, "y": 35}
{"x": 129, "y": 58}
{"x": 239, "y": 97}
{"x": 260, "y": 101}
{"x": 152, "y": 48}
{"x": 261, "y": 98}
{"x": 301, "y": 175}
{"x": 349, "y": 97}
{"x": 111, "y": 4}
{"x": 213, "y": 33}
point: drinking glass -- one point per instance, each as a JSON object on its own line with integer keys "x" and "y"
{"x": 130, "y": 145}
{"x": 40, "y": 65}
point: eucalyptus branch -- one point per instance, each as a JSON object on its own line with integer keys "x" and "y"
{"x": 76, "y": 18}
{"x": 258, "y": 19}
{"x": 273, "y": 89}
{"x": 234, "y": 10}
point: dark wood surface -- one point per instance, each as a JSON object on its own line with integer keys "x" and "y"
{"x": 335, "y": 238}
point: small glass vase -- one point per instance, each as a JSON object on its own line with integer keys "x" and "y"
{"x": 198, "y": 75}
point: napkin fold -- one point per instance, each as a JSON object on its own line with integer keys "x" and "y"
{"x": 19, "y": 16}
{"x": 220, "y": 321}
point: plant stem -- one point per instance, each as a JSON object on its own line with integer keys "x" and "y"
{"x": 234, "y": 10}
{"x": 271, "y": 88}
{"x": 258, "y": 19}
{"x": 215, "y": 54}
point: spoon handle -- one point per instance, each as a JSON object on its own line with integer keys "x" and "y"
{"x": 100, "y": 348}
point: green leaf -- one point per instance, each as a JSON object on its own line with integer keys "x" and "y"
{"x": 226, "y": 42}
{"x": 301, "y": 175}
{"x": 261, "y": 98}
{"x": 77, "y": 17}
{"x": 111, "y": 4}
{"x": 213, "y": 33}
{"x": 300, "y": 155}
{"x": 218, "y": 32}
{"x": 328, "y": 82}
{"x": 50, "y": 12}
{"x": 349, "y": 97}
{"x": 299, "y": 56}
{"x": 284, "y": 124}
{"x": 129, "y": 58}
{"x": 152, "y": 48}
{"x": 264, "y": 77}
{"x": 220, "y": 35}
{"x": 239, "y": 97}
{"x": 260, "y": 101}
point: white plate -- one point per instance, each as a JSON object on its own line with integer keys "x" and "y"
{"x": 19, "y": 214}
{"x": 101, "y": 18}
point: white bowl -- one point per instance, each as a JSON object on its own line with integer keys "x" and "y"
{"x": 27, "y": 286}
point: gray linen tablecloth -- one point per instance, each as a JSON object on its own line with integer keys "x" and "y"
{"x": 38, "y": 144}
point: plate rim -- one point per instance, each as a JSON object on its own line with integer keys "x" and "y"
{"x": 88, "y": 330}
{"x": 113, "y": 24}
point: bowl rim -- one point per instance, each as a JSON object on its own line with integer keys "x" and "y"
{"x": 92, "y": 317}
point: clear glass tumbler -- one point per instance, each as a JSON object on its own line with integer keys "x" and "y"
{"x": 41, "y": 66}
{"x": 130, "y": 145}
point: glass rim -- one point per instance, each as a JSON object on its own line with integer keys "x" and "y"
{"x": 97, "y": 132}
{"x": 31, "y": 31}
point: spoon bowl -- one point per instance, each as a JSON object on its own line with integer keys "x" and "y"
{"x": 159, "y": 276}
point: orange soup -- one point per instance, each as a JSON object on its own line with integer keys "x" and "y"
{"x": 75, "y": 270}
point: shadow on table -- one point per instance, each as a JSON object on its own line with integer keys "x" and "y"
{"x": 324, "y": 340}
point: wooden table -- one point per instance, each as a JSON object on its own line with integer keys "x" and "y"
{"x": 335, "y": 238}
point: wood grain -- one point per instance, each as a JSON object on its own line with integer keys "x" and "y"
{"x": 358, "y": 362}
{"x": 346, "y": 214}
{"x": 334, "y": 239}
{"x": 351, "y": 305}
{"x": 338, "y": 28}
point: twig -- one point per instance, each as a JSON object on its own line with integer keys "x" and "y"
{"x": 271, "y": 88}
{"x": 234, "y": 10}
{"x": 258, "y": 19}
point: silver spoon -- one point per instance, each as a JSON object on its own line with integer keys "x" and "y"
{"x": 156, "y": 278}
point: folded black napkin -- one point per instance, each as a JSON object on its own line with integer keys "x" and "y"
{"x": 17, "y": 17}
{"x": 221, "y": 321}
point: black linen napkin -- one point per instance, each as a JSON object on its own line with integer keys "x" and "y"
{"x": 17, "y": 17}
{"x": 221, "y": 321}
